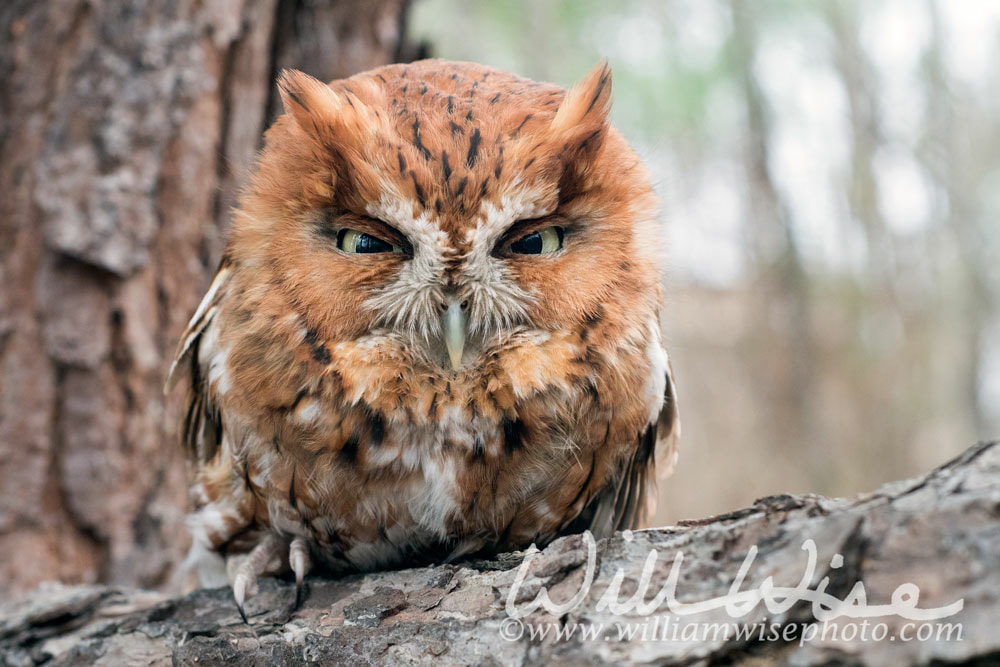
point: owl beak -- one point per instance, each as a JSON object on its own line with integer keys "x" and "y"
{"x": 453, "y": 323}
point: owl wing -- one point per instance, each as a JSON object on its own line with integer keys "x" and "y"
{"x": 202, "y": 428}
{"x": 628, "y": 499}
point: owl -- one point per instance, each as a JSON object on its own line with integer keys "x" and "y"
{"x": 434, "y": 333}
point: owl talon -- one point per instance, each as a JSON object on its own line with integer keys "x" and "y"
{"x": 265, "y": 557}
{"x": 243, "y": 614}
{"x": 298, "y": 560}
{"x": 300, "y": 595}
{"x": 244, "y": 586}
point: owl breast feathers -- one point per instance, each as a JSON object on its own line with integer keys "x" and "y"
{"x": 435, "y": 330}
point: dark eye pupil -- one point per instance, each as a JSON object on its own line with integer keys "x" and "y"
{"x": 529, "y": 245}
{"x": 363, "y": 243}
{"x": 368, "y": 243}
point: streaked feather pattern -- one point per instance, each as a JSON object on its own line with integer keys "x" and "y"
{"x": 324, "y": 415}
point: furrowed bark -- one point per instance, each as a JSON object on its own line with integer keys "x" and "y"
{"x": 940, "y": 532}
{"x": 126, "y": 129}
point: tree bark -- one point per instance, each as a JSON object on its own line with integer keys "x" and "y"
{"x": 940, "y": 533}
{"x": 126, "y": 129}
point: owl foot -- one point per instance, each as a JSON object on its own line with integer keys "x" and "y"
{"x": 266, "y": 557}
{"x": 298, "y": 559}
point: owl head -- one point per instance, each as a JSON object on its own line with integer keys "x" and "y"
{"x": 451, "y": 208}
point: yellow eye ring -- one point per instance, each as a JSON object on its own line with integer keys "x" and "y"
{"x": 355, "y": 242}
{"x": 540, "y": 242}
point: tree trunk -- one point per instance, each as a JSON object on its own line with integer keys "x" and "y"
{"x": 780, "y": 285}
{"x": 126, "y": 129}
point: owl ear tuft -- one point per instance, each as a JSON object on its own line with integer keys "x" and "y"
{"x": 587, "y": 103}
{"x": 312, "y": 103}
{"x": 580, "y": 127}
{"x": 334, "y": 115}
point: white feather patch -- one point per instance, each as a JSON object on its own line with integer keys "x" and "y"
{"x": 657, "y": 382}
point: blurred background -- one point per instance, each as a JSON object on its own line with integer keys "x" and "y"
{"x": 831, "y": 188}
{"x": 830, "y": 175}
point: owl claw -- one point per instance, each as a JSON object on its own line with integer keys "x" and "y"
{"x": 243, "y": 614}
{"x": 244, "y": 586}
{"x": 298, "y": 559}
{"x": 299, "y": 596}
{"x": 265, "y": 557}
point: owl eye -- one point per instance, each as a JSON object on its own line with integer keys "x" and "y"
{"x": 355, "y": 242}
{"x": 541, "y": 242}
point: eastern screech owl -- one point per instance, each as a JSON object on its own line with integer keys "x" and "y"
{"x": 435, "y": 330}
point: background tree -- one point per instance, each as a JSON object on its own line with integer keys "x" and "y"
{"x": 125, "y": 130}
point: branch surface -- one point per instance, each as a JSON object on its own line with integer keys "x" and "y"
{"x": 940, "y": 532}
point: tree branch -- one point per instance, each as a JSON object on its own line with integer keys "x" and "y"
{"x": 940, "y": 532}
